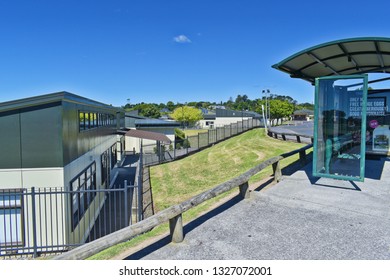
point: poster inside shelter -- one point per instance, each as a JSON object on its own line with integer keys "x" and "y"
{"x": 376, "y": 106}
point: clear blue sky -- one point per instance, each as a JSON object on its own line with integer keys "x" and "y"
{"x": 169, "y": 50}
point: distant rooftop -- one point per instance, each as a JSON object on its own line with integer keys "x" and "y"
{"x": 140, "y": 121}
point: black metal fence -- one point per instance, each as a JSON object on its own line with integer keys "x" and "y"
{"x": 40, "y": 221}
{"x": 153, "y": 154}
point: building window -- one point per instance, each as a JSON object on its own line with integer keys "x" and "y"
{"x": 82, "y": 187}
{"x": 89, "y": 120}
{"x": 123, "y": 145}
{"x": 86, "y": 117}
{"x": 114, "y": 156}
{"x": 81, "y": 121}
{"x": 104, "y": 159}
{"x": 11, "y": 218}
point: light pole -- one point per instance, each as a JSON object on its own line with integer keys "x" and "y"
{"x": 265, "y": 92}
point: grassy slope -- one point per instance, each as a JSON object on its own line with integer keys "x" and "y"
{"x": 177, "y": 181}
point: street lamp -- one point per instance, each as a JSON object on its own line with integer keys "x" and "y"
{"x": 267, "y": 109}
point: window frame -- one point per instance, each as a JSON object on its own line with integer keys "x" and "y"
{"x": 19, "y": 242}
{"x": 81, "y": 197}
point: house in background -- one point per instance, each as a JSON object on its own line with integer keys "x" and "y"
{"x": 57, "y": 140}
{"x": 303, "y": 115}
{"x": 221, "y": 117}
{"x": 135, "y": 122}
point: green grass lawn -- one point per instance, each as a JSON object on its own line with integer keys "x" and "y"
{"x": 177, "y": 181}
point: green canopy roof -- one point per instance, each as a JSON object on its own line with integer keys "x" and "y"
{"x": 342, "y": 57}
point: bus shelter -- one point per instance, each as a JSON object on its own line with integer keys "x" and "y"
{"x": 351, "y": 117}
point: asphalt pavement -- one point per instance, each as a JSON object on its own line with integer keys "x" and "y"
{"x": 299, "y": 218}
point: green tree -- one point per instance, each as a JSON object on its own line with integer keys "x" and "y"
{"x": 170, "y": 106}
{"x": 187, "y": 115}
{"x": 147, "y": 110}
{"x": 280, "y": 109}
{"x": 151, "y": 111}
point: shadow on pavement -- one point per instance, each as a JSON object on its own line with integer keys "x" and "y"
{"x": 187, "y": 228}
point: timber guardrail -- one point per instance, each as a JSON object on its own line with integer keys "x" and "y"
{"x": 298, "y": 136}
{"x": 173, "y": 214}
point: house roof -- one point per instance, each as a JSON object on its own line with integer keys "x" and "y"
{"x": 341, "y": 57}
{"x": 140, "y": 121}
{"x": 155, "y": 122}
{"x": 226, "y": 113}
{"x": 304, "y": 112}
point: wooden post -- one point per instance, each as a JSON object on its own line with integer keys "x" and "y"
{"x": 176, "y": 228}
{"x": 284, "y": 137}
{"x": 298, "y": 139}
{"x": 302, "y": 157}
{"x": 277, "y": 171}
{"x": 244, "y": 190}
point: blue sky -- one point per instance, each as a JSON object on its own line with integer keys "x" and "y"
{"x": 171, "y": 50}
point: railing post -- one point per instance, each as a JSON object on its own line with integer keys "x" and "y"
{"x": 176, "y": 228}
{"x": 34, "y": 222}
{"x": 298, "y": 139}
{"x": 277, "y": 171}
{"x": 126, "y": 206}
{"x": 302, "y": 157}
{"x": 187, "y": 144}
{"x": 244, "y": 190}
{"x": 140, "y": 199}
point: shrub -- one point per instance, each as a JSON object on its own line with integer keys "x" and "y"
{"x": 179, "y": 133}
{"x": 186, "y": 144}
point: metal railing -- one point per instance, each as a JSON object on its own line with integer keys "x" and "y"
{"x": 39, "y": 221}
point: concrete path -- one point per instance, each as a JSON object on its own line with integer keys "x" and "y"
{"x": 299, "y": 218}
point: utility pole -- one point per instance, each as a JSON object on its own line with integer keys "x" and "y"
{"x": 265, "y": 92}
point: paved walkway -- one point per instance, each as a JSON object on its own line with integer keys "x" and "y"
{"x": 299, "y": 218}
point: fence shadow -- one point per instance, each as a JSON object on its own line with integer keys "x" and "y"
{"x": 187, "y": 228}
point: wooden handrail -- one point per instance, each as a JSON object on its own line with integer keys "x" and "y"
{"x": 298, "y": 136}
{"x": 173, "y": 214}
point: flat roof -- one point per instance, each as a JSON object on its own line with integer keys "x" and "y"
{"x": 148, "y": 135}
{"x": 341, "y": 57}
{"x": 50, "y": 98}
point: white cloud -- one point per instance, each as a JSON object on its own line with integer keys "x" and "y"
{"x": 181, "y": 39}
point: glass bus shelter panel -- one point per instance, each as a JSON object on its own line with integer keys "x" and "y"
{"x": 340, "y": 127}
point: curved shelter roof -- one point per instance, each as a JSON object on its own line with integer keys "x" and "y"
{"x": 341, "y": 57}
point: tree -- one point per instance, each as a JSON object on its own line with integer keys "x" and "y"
{"x": 280, "y": 109}
{"x": 170, "y": 106}
{"x": 147, "y": 110}
{"x": 187, "y": 115}
{"x": 151, "y": 112}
